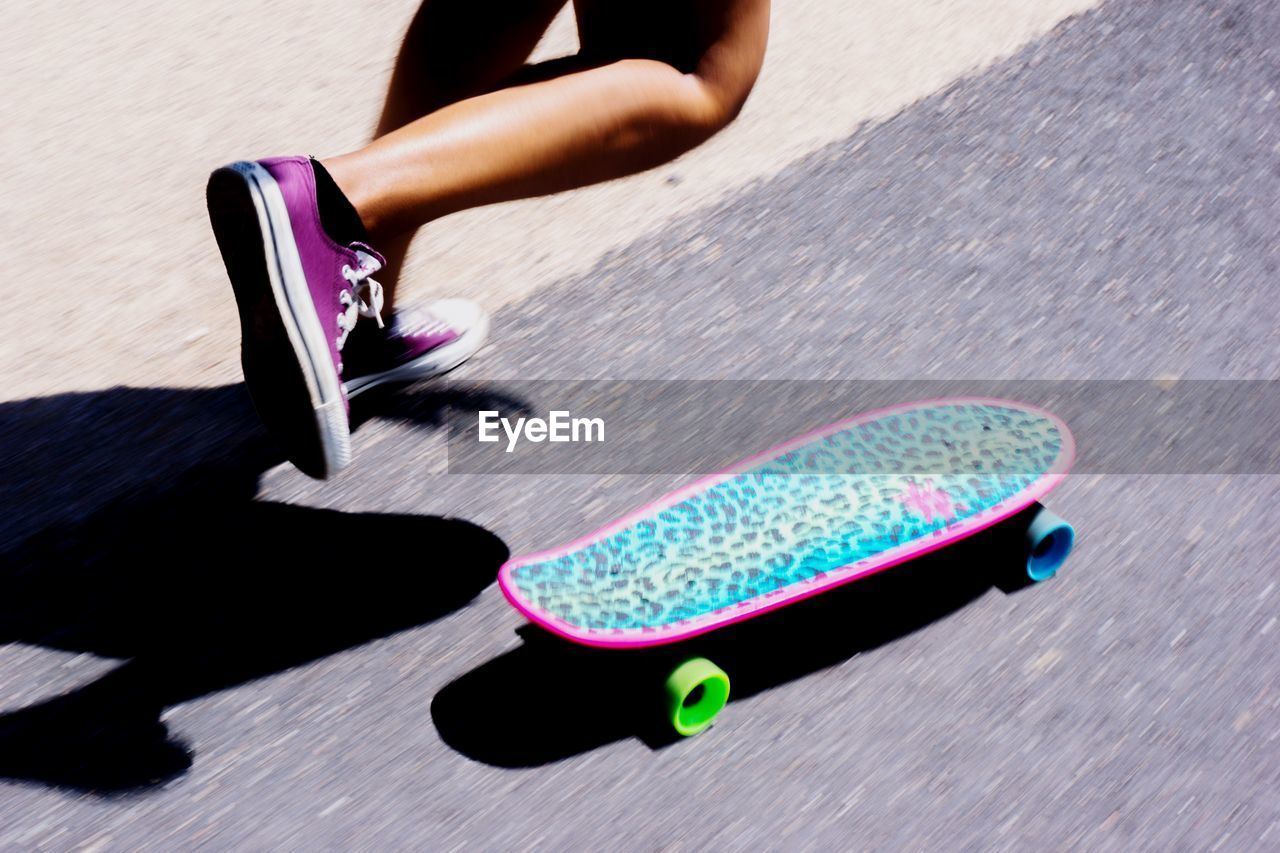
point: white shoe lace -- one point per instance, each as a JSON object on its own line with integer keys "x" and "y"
{"x": 354, "y": 298}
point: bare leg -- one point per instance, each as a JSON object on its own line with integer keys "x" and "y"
{"x": 627, "y": 113}
{"x": 452, "y": 51}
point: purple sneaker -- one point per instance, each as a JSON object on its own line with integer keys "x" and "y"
{"x": 415, "y": 344}
{"x": 293, "y": 247}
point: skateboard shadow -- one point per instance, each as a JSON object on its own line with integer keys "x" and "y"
{"x": 184, "y": 576}
{"x": 572, "y": 699}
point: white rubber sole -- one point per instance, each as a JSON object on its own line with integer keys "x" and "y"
{"x": 438, "y": 361}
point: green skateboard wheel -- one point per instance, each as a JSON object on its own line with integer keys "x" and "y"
{"x": 696, "y": 690}
{"x": 1049, "y": 542}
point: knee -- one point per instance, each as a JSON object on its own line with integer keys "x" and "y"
{"x": 705, "y": 106}
{"x": 723, "y": 84}
{"x": 719, "y": 106}
{"x": 711, "y": 107}
{"x": 675, "y": 110}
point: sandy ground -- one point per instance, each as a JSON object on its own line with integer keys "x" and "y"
{"x": 125, "y": 108}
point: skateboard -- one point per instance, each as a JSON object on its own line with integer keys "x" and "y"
{"x": 822, "y": 510}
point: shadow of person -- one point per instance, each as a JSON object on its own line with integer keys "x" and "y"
{"x": 549, "y": 699}
{"x": 184, "y": 576}
{"x": 199, "y": 598}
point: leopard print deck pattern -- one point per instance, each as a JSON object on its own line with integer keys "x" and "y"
{"x": 833, "y": 502}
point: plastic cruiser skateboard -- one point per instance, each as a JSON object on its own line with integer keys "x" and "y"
{"x": 827, "y": 508}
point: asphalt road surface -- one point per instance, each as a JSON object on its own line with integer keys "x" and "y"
{"x": 206, "y": 648}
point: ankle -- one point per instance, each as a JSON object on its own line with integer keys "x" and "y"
{"x": 345, "y": 175}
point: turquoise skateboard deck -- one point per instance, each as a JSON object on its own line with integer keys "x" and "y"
{"x": 822, "y": 510}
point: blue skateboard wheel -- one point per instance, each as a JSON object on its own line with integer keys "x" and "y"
{"x": 1049, "y": 542}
